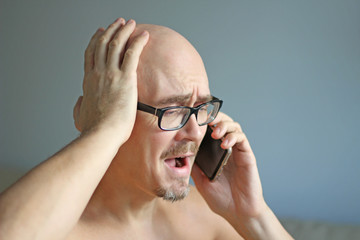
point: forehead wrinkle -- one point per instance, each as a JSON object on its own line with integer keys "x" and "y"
{"x": 175, "y": 99}
{"x": 182, "y": 99}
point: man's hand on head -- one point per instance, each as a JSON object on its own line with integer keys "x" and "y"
{"x": 110, "y": 80}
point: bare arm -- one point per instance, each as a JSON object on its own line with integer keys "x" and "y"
{"x": 48, "y": 201}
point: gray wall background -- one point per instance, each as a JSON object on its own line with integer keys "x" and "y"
{"x": 288, "y": 71}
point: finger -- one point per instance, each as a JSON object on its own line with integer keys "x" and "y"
{"x": 221, "y": 117}
{"x": 199, "y": 178}
{"x": 132, "y": 54}
{"x": 236, "y": 140}
{"x": 89, "y": 52}
{"x": 225, "y": 127}
{"x": 117, "y": 45}
{"x": 102, "y": 43}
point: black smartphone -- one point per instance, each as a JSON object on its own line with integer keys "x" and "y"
{"x": 211, "y": 158}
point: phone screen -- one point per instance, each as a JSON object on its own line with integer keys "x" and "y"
{"x": 211, "y": 157}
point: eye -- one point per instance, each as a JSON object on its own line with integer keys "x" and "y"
{"x": 172, "y": 112}
{"x": 207, "y": 108}
{"x": 204, "y": 108}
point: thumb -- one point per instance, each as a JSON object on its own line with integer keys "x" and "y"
{"x": 76, "y": 112}
{"x": 199, "y": 178}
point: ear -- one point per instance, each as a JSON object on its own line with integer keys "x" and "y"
{"x": 76, "y": 113}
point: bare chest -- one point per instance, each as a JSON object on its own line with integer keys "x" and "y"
{"x": 153, "y": 231}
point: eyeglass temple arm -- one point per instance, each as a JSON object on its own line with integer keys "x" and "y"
{"x": 146, "y": 108}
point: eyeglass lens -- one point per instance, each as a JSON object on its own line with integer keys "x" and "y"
{"x": 176, "y": 117}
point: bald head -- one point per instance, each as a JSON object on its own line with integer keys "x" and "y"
{"x": 162, "y": 38}
{"x": 167, "y": 60}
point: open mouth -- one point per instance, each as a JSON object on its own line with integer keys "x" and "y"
{"x": 179, "y": 166}
{"x": 178, "y": 162}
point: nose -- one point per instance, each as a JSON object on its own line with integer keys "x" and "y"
{"x": 191, "y": 130}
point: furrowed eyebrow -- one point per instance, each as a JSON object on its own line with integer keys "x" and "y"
{"x": 175, "y": 99}
{"x": 205, "y": 98}
{"x": 182, "y": 99}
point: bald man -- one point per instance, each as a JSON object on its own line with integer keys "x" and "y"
{"x": 124, "y": 176}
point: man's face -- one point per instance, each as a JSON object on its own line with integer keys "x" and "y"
{"x": 159, "y": 162}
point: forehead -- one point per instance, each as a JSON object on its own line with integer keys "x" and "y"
{"x": 171, "y": 68}
{"x": 169, "y": 85}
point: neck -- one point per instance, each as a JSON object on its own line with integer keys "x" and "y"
{"x": 117, "y": 197}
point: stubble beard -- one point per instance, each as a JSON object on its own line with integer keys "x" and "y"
{"x": 180, "y": 189}
{"x": 174, "y": 193}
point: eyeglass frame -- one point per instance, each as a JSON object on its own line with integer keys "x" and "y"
{"x": 159, "y": 112}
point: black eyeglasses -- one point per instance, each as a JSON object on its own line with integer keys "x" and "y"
{"x": 174, "y": 118}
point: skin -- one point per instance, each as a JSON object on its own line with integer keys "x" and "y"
{"x": 104, "y": 185}
{"x": 134, "y": 203}
{"x": 174, "y": 72}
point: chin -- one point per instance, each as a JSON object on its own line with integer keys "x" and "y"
{"x": 175, "y": 192}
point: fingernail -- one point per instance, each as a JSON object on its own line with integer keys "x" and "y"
{"x": 217, "y": 130}
{"x": 225, "y": 142}
{"x": 144, "y": 33}
{"x": 130, "y": 21}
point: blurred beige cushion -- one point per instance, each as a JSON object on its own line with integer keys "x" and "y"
{"x": 316, "y": 230}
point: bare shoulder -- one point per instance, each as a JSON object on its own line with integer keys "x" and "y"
{"x": 195, "y": 211}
